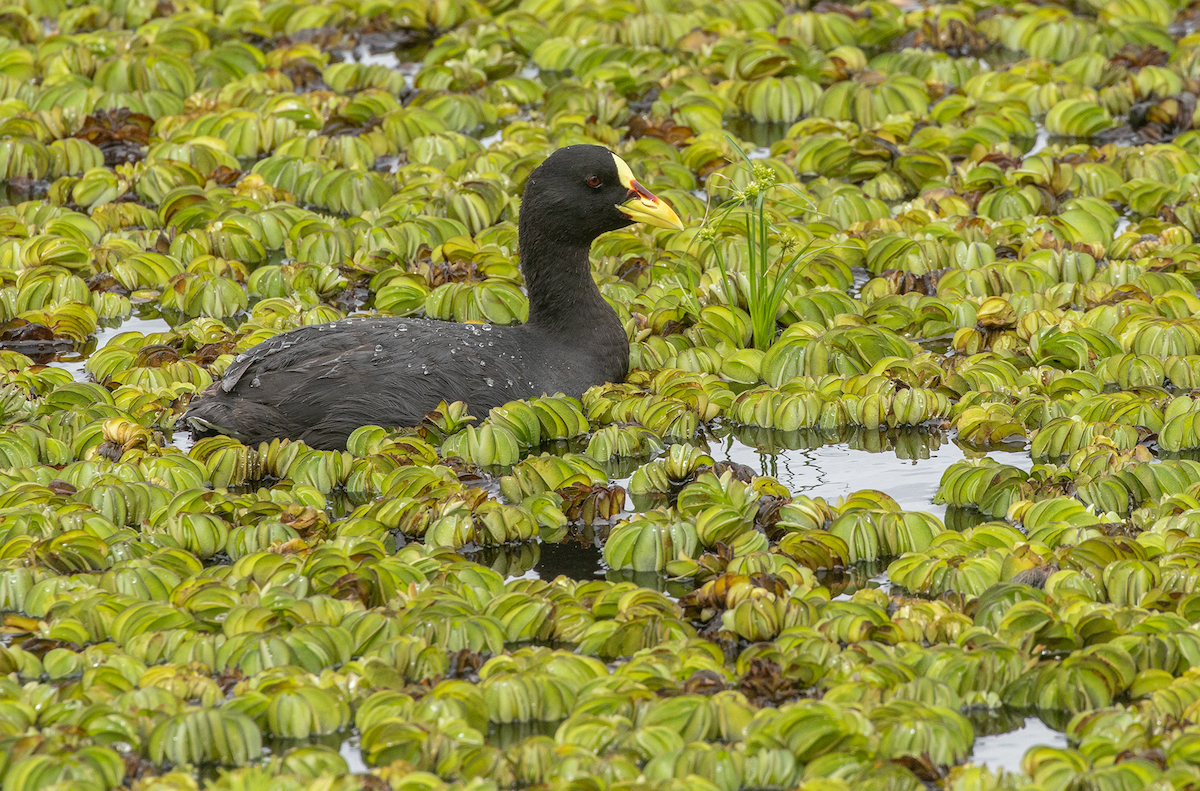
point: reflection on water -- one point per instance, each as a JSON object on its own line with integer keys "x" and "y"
{"x": 909, "y": 443}
{"x": 994, "y": 722}
{"x": 1005, "y": 750}
{"x": 1043, "y": 140}
{"x": 182, "y": 439}
{"x": 573, "y": 560}
{"x": 763, "y": 135}
{"x": 653, "y": 580}
{"x": 906, "y": 465}
{"x": 352, "y": 753}
{"x": 276, "y": 745}
{"x": 1001, "y": 739}
{"x": 844, "y": 583}
{"x": 959, "y": 519}
{"x": 509, "y": 560}
{"x": 74, "y": 361}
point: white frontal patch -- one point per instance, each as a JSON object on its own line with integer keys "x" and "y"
{"x": 623, "y": 172}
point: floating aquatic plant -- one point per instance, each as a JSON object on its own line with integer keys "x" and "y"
{"x": 894, "y": 268}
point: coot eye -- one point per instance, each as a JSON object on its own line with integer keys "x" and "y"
{"x": 593, "y": 181}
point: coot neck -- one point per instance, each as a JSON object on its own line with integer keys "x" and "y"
{"x": 563, "y": 298}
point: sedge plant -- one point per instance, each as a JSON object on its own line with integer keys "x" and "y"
{"x": 768, "y": 276}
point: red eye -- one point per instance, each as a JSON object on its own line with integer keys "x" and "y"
{"x": 593, "y": 181}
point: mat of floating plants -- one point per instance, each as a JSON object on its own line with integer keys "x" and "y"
{"x": 903, "y": 470}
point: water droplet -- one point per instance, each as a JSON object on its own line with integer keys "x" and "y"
{"x": 378, "y": 348}
{"x": 255, "y": 382}
{"x": 402, "y": 328}
{"x": 489, "y": 381}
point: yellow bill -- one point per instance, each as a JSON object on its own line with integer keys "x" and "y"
{"x": 642, "y": 205}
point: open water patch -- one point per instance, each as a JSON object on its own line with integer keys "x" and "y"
{"x": 75, "y": 361}
{"x": 908, "y": 469}
{"x": 1005, "y": 750}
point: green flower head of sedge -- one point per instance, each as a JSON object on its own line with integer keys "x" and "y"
{"x": 764, "y": 177}
{"x": 707, "y": 234}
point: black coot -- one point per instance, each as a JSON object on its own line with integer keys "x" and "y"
{"x": 319, "y": 383}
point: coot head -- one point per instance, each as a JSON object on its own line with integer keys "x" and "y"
{"x": 583, "y": 191}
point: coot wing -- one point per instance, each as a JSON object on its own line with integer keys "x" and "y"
{"x": 320, "y": 383}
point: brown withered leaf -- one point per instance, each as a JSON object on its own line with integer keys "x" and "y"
{"x": 105, "y": 283}
{"x": 117, "y": 124}
{"x": 40, "y": 646}
{"x": 764, "y": 685}
{"x": 338, "y": 125}
{"x": 740, "y": 472}
{"x": 664, "y": 129}
{"x": 465, "y": 664}
{"x": 704, "y": 682}
{"x": 301, "y": 518}
{"x": 156, "y": 356}
{"x": 922, "y": 767}
{"x": 209, "y": 352}
{"x": 902, "y": 282}
{"x": 349, "y": 587}
{"x": 768, "y": 512}
{"x": 589, "y": 503}
{"x": 224, "y": 175}
{"x": 121, "y": 135}
{"x": 1135, "y": 56}
{"x": 293, "y": 547}
{"x": 61, "y": 488}
{"x": 22, "y": 330}
{"x": 228, "y": 679}
{"x": 1005, "y": 161}
{"x": 35, "y": 341}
